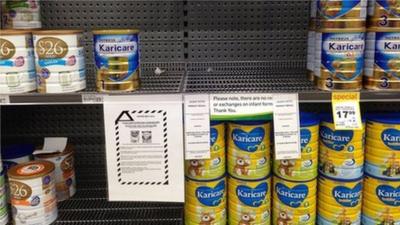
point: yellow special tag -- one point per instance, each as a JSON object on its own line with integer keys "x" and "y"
{"x": 346, "y": 110}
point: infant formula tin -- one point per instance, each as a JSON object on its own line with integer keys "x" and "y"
{"x": 23, "y": 14}
{"x": 249, "y": 136}
{"x": 12, "y": 155}
{"x": 60, "y": 61}
{"x": 380, "y": 215}
{"x": 343, "y": 167}
{"x": 342, "y": 13}
{"x": 205, "y": 194}
{"x": 340, "y": 140}
{"x": 383, "y": 132}
{"x": 339, "y": 217}
{"x": 64, "y": 171}
{"x": 205, "y": 216}
{"x": 33, "y": 194}
{"x": 217, "y": 136}
{"x": 249, "y": 194}
{"x": 206, "y": 169}
{"x": 384, "y": 13}
{"x": 286, "y": 216}
{"x": 295, "y": 197}
{"x": 384, "y": 193}
{"x": 339, "y": 61}
{"x": 302, "y": 169}
{"x": 340, "y": 194}
{"x": 382, "y": 59}
{"x": 17, "y": 63}
{"x": 116, "y": 55}
{"x": 253, "y": 167}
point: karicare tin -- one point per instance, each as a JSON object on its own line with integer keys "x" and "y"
{"x": 309, "y": 128}
{"x": 339, "y": 140}
{"x": 33, "y": 193}
{"x": 303, "y": 169}
{"x": 340, "y": 217}
{"x": 205, "y": 194}
{"x": 339, "y": 61}
{"x": 383, "y": 132}
{"x": 243, "y": 194}
{"x": 380, "y": 215}
{"x": 116, "y": 54}
{"x": 64, "y": 171}
{"x": 60, "y": 61}
{"x": 342, "y": 13}
{"x": 253, "y": 167}
{"x": 340, "y": 193}
{"x": 249, "y": 136}
{"x": 385, "y": 193}
{"x": 206, "y": 169}
{"x": 382, "y": 59}
{"x": 286, "y": 216}
{"x": 24, "y": 14}
{"x": 383, "y": 13}
{"x": 300, "y": 196}
{"x": 217, "y": 136}
{"x": 350, "y": 167}
{"x": 17, "y": 63}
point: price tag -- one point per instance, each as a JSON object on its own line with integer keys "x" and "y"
{"x": 346, "y": 110}
{"x": 4, "y": 99}
{"x": 197, "y": 126}
{"x": 92, "y": 98}
{"x": 287, "y": 126}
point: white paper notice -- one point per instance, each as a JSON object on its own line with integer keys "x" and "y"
{"x": 144, "y": 146}
{"x": 52, "y": 145}
{"x": 286, "y": 126}
{"x": 197, "y": 127}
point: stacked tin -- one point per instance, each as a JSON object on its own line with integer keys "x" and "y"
{"x": 382, "y": 168}
{"x": 33, "y": 193}
{"x": 249, "y": 167}
{"x": 205, "y": 183}
{"x": 382, "y": 67}
{"x": 297, "y": 178}
{"x": 311, "y": 40}
{"x": 17, "y": 63}
{"x": 23, "y": 14}
{"x": 341, "y": 168}
{"x": 340, "y": 44}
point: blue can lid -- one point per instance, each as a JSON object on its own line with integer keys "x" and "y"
{"x": 17, "y": 151}
{"x": 328, "y": 117}
{"x": 308, "y": 119}
{"x": 250, "y": 122}
{"x": 215, "y": 122}
{"x": 389, "y": 118}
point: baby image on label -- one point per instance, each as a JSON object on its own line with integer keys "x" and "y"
{"x": 333, "y": 9}
{"x": 343, "y": 54}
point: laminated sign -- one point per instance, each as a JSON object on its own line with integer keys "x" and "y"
{"x": 144, "y": 146}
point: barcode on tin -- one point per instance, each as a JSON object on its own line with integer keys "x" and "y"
{"x": 92, "y": 98}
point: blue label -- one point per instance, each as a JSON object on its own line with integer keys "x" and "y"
{"x": 325, "y": 7}
{"x": 292, "y": 197}
{"x": 336, "y": 140}
{"x": 347, "y": 197}
{"x": 388, "y": 195}
{"x": 390, "y": 6}
{"x": 391, "y": 138}
{"x": 248, "y": 141}
{"x": 253, "y": 197}
{"x": 124, "y": 46}
{"x": 213, "y": 136}
{"x": 51, "y": 62}
{"x": 387, "y": 49}
{"x": 211, "y": 196}
{"x": 305, "y": 137}
{"x": 6, "y": 63}
{"x": 343, "y": 53}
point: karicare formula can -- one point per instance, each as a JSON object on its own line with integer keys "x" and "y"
{"x": 382, "y": 59}
{"x": 23, "y": 14}
{"x": 33, "y": 193}
{"x": 383, "y": 132}
{"x": 382, "y": 193}
{"x": 17, "y": 63}
{"x": 116, "y": 54}
{"x": 339, "y": 61}
{"x": 64, "y": 171}
{"x": 249, "y": 136}
{"x": 342, "y": 14}
{"x": 60, "y": 61}
{"x": 384, "y": 13}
